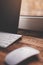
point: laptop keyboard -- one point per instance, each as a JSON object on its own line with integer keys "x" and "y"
{"x": 7, "y": 39}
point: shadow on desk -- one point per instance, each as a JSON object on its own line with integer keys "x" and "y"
{"x": 29, "y": 60}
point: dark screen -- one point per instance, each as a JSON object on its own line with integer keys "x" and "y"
{"x": 9, "y": 15}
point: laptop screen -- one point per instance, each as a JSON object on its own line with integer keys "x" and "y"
{"x": 9, "y": 18}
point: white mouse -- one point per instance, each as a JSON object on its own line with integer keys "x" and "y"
{"x": 20, "y": 54}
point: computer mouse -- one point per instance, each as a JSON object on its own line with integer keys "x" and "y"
{"x": 20, "y": 54}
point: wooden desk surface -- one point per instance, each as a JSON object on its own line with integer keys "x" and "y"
{"x": 25, "y": 41}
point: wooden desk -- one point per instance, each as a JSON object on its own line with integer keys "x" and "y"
{"x": 25, "y": 41}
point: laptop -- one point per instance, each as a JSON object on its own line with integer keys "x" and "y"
{"x": 9, "y": 19}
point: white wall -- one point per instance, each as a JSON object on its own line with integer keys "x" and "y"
{"x": 31, "y": 23}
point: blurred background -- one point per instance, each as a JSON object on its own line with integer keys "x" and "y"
{"x": 31, "y": 15}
